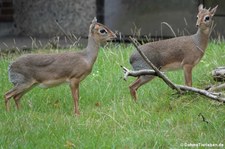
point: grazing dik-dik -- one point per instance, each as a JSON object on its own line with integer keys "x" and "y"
{"x": 177, "y": 53}
{"x": 48, "y": 70}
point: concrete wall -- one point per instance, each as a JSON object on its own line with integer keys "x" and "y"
{"x": 37, "y": 17}
{"x": 146, "y": 17}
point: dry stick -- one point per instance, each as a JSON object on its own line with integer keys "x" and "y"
{"x": 211, "y": 95}
{"x": 60, "y": 27}
{"x": 165, "y": 23}
{"x": 218, "y": 75}
{"x": 158, "y": 73}
{"x": 216, "y": 87}
{"x": 128, "y": 72}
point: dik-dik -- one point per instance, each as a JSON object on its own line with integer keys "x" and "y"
{"x": 177, "y": 53}
{"x": 48, "y": 70}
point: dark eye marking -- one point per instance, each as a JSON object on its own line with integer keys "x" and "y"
{"x": 207, "y": 18}
{"x": 103, "y": 31}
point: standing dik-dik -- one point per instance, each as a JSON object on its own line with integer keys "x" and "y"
{"x": 177, "y": 53}
{"x": 49, "y": 70}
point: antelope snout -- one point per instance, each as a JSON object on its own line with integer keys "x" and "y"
{"x": 114, "y": 35}
{"x": 197, "y": 24}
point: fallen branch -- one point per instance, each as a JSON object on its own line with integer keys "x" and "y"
{"x": 215, "y": 88}
{"x": 137, "y": 73}
{"x": 219, "y": 74}
{"x": 157, "y": 72}
{"x": 212, "y": 95}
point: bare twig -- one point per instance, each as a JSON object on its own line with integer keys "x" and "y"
{"x": 128, "y": 72}
{"x": 212, "y": 28}
{"x": 211, "y": 95}
{"x": 217, "y": 87}
{"x": 203, "y": 118}
{"x": 218, "y": 75}
{"x": 158, "y": 73}
{"x": 165, "y": 23}
{"x": 60, "y": 27}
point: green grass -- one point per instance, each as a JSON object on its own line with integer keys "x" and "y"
{"x": 109, "y": 117}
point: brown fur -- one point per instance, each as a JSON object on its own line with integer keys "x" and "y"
{"x": 48, "y": 70}
{"x": 176, "y": 53}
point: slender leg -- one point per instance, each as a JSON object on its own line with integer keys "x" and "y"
{"x": 17, "y": 92}
{"x": 8, "y": 95}
{"x": 133, "y": 89}
{"x": 7, "y": 103}
{"x": 17, "y": 99}
{"x": 188, "y": 74}
{"x": 75, "y": 92}
{"x": 138, "y": 83}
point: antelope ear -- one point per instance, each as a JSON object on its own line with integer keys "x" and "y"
{"x": 96, "y": 27}
{"x": 92, "y": 26}
{"x": 94, "y": 20}
{"x": 200, "y": 7}
{"x": 213, "y": 11}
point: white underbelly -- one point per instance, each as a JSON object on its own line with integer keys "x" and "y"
{"x": 172, "y": 66}
{"x": 52, "y": 83}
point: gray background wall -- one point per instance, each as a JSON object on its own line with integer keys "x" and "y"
{"x": 37, "y": 17}
{"x": 148, "y": 15}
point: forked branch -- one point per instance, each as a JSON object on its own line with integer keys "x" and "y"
{"x": 157, "y": 72}
{"x": 218, "y": 75}
{"x": 128, "y": 72}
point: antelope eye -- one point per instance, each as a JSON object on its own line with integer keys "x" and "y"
{"x": 103, "y": 31}
{"x": 207, "y": 18}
